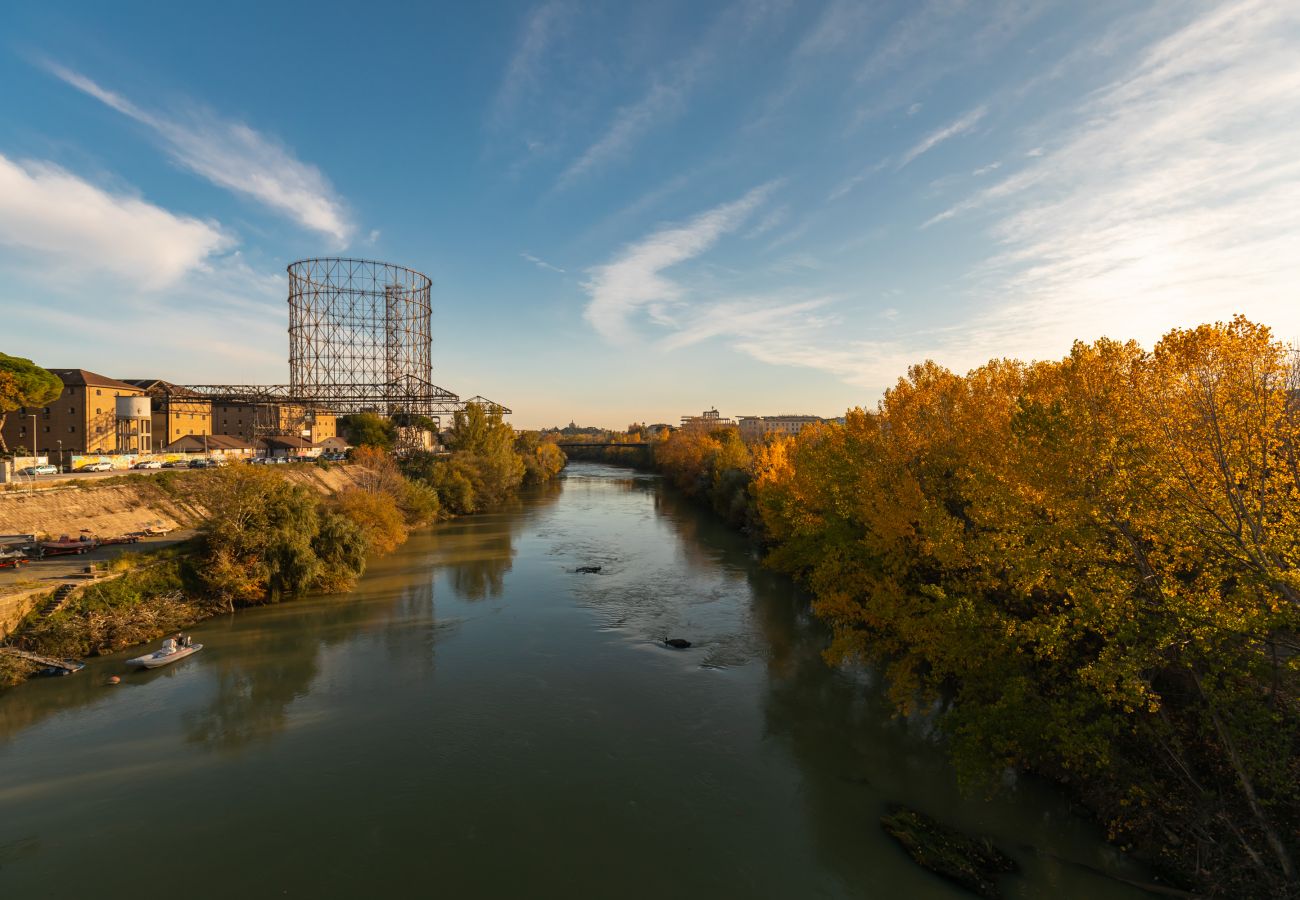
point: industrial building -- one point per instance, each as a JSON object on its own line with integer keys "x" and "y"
{"x": 175, "y": 412}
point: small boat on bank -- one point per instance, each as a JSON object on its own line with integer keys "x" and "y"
{"x": 65, "y": 545}
{"x": 69, "y": 667}
{"x": 171, "y": 651}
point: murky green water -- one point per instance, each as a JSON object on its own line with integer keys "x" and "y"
{"x": 476, "y": 720}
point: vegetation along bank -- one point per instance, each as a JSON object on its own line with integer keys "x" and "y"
{"x": 1087, "y": 568}
{"x": 265, "y": 534}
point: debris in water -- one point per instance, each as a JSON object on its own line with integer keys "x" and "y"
{"x": 973, "y": 863}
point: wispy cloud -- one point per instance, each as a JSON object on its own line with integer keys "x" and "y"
{"x": 671, "y": 87}
{"x": 768, "y": 222}
{"x": 634, "y": 282}
{"x": 541, "y": 263}
{"x": 630, "y": 124}
{"x": 523, "y": 73}
{"x": 83, "y": 229}
{"x": 744, "y": 320}
{"x": 949, "y": 131}
{"x": 848, "y": 185}
{"x": 234, "y": 156}
{"x": 1171, "y": 198}
{"x": 934, "y": 40}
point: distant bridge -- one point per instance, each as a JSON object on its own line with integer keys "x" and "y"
{"x": 598, "y": 445}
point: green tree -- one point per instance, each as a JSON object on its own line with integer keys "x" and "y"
{"x": 369, "y": 430}
{"x": 258, "y": 536}
{"x": 23, "y": 383}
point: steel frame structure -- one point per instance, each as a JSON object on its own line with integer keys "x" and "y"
{"x": 360, "y": 340}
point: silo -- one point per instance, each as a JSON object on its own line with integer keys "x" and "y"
{"x": 134, "y": 425}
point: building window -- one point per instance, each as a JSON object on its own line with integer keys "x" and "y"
{"x": 72, "y": 429}
{"x": 47, "y": 410}
{"x": 72, "y": 410}
{"x": 98, "y": 392}
{"x": 99, "y": 411}
{"x": 47, "y": 429}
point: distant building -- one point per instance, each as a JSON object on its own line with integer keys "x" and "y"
{"x": 755, "y": 428}
{"x": 176, "y": 411}
{"x": 659, "y": 428}
{"x": 254, "y": 420}
{"x": 334, "y": 444}
{"x": 83, "y": 419}
{"x": 212, "y": 444}
{"x": 706, "y": 421}
{"x": 290, "y": 446}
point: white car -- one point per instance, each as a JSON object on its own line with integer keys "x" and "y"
{"x": 40, "y": 470}
{"x": 147, "y": 464}
{"x": 98, "y": 467}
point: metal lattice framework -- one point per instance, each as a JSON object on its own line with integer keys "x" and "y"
{"x": 360, "y": 340}
{"x": 358, "y": 322}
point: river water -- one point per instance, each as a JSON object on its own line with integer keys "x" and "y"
{"x": 478, "y": 720}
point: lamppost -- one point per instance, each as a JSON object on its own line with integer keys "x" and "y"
{"x": 31, "y": 488}
{"x": 60, "y": 443}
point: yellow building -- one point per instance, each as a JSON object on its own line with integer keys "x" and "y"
{"x": 175, "y": 411}
{"x": 254, "y": 420}
{"x": 83, "y": 419}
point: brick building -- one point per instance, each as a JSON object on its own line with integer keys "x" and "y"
{"x": 82, "y": 419}
{"x": 254, "y": 420}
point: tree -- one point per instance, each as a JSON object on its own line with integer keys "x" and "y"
{"x": 23, "y": 383}
{"x": 369, "y": 430}
{"x": 258, "y": 536}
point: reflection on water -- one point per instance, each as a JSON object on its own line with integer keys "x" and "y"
{"x": 479, "y": 717}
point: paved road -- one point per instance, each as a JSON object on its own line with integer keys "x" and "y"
{"x": 59, "y": 567}
{"x": 24, "y": 480}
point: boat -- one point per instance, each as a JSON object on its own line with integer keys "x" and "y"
{"x": 65, "y": 544}
{"x": 123, "y": 539}
{"x": 171, "y": 651}
{"x": 69, "y": 667}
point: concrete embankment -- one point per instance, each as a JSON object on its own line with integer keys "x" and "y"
{"x": 120, "y": 506}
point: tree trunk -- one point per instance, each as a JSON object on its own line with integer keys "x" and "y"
{"x": 1247, "y": 787}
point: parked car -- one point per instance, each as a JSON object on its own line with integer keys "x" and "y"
{"x": 147, "y": 464}
{"x": 203, "y": 464}
{"x": 40, "y": 470}
{"x": 176, "y": 464}
{"x": 97, "y": 467}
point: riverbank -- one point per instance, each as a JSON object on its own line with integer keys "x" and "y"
{"x": 265, "y": 534}
{"x": 1088, "y": 567}
{"x": 475, "y": 699}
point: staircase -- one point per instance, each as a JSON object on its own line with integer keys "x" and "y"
{"x": 55, "y": 603}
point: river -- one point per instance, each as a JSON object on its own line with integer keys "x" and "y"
{"x": 478, "y": 720}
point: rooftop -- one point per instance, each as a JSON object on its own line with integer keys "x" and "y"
{"x": 82, "y": 378}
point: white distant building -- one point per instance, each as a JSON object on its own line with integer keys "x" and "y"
{"x": 755, "y": 428}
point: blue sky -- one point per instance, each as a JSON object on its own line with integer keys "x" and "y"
{"x": 635, "y": 211}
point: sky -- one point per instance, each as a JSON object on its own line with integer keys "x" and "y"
{"x": 632, "y": 212}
